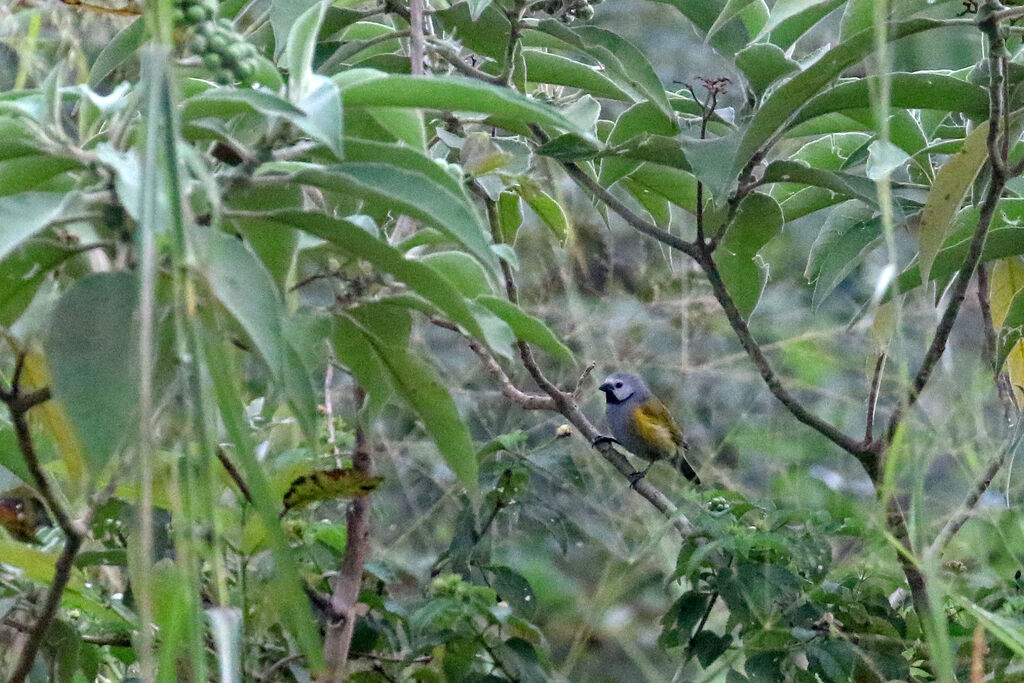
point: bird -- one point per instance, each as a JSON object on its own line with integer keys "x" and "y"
{"x": 642, "y": 424}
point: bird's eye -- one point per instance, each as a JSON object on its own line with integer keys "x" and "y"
{"x": 618, "y": 385}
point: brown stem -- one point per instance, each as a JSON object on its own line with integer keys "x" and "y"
{"x": 344, "y": 606}
{"x": 235, "y": 475}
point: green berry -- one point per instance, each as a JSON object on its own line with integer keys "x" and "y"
{"x": 236, "y": 52}
{"x": 212, "y": 61}
{"x": 178, "y": 17}
{"x": 197, "y": 14}
{"x": 218, "y": 43}
{"x": 586, "y": 12}
{"x": 206, "y": 29}
{"x": 226, "y": 23}
{"x": 224, "y": 77}
{"x": 245, "y": 70}
{"x": 198, "y": 44}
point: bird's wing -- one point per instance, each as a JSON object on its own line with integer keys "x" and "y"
{"x": 653, "y": 424}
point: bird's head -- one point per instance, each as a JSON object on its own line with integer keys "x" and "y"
{"x": 621, "y": 386}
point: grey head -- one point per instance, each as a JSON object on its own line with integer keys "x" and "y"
{"x": 620, "y": 387}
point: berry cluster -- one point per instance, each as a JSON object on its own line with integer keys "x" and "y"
{"x": 570, "y": 10}
{"x": 224, "y": 51}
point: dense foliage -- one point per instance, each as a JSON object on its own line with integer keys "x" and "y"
{"x": 302, "y": 305}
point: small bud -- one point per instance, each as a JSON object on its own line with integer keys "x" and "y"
{"x": 563, "y": 431}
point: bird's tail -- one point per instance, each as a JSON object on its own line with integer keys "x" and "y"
{"x": 684, "y": 466}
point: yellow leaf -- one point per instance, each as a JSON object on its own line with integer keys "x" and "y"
{"x": 328, "y": 484}
{"x": 1006, "y": 280}
{"x": 52, "y": 417}
{"x": 37, "y": 564}
{"x": 948, "y": 189}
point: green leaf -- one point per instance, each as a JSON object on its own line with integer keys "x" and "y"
{"x": 26, "y": 214}
{"x": 848, "y": 234}
{"x": 731, "y": 10}
{"x": 549, "y": 211}
{"x": 124, "y": 45}
{"x": 921, "y": 90}
{"x": 624, "y": 64}
{"x": 784, "y": 105}
{"x": 510, "y": 216}
{"x": 283, "y": 15}
{"x": 92, "y": 350}
{"x": 244, "y": 286}
{"x": 556, "y": 69}
{"x": 227, "y": 103}
{"x": 883, "y": 159}
{"x": 763, "y": 64}
{"x": 21, "y": 274}
{"x": 462, "y": 270}
{"x": 298, "y": 51}
{"x": 410, "y": 192}
{"x": 678, "y": 187}
{"x": 377, "y": 89}
{"x": 948, "y": 189}
{"x": 355, "y": 241}
{"x": 362, "y": 363}
{"x": 419, "y": 385}
{"x": 526, "y": 327}
{"x": 640, "y": 119}
{"x": 801, "y": 13}
{"x": 321, "y": 113}
{"x": 29, "y": 172}
{"x": 757, "y": 221}
{"x": 847, "y": 185}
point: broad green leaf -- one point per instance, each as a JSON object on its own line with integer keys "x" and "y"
{"x": 298, "y": 52}
{"x": 378, "y": 89}
{"x": 283, "y": 15}
{"x": 640, "y": 119}
{"x": 123, "y": 46}
{"x": 549, "y": 210}
{"x": 710, "y": 161}
{"x": 362, "y": 363}
{"x": 948, "y": 189}
{"x": 321, "y": 113}
{"x": 319, "y": 485}
{"x": 678, "y": 187}
{"x": 25, "y": 214}
{"x": 31, "y": 172}
{"x": 857, "y": 16}
{"x": 556, "y": 69}
{"x": 757, "y": 221}
{"x": 462, "y": 270}
{"x": 227, "y": 103}
{"x": 848, "y": 234}
{"x": 785, "y": 103}
{"x": 763, "y": 64}
{"x": 883, "y": 159}
{"x": 510, "y": 216}
{"x": 624, "y": 64}
{"x": 244, "y": 286}
{"x": 487, "y": 34}
{"x": 419, "y": 385}
{"x": 410, "y": 192}
{"x": 919, "y": 90}
{"x": 92, "y": 350}
{"x": 731, "y": 10}
{"x": 848, "y": 185}
{"x": 355, "y": 241}
{"x": 790, "y": 19}
{"x": 702, "y": 13}
{"x": 1007, "y": 630}
{"x": 406, "y": 125}
{"x": 526, "y": 327}
{"x": 655, "y": 204}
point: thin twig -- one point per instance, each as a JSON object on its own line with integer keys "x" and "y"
{"x": 876, "y": 381}
{"x": 344, "y": 608}
{"x": 235, "y": 475}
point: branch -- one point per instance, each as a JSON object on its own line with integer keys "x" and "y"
{"x": 75, "y": 531}
{"x": 344, "y": 608}
{"x": 416, "y": 43}
{"x": 997, "y": 62}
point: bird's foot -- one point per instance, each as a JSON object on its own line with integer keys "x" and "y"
{"x": 603, "y": 439}
{"x": 635, "y": 477}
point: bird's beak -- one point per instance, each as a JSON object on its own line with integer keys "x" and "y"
{"x": 606, "y": 387}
